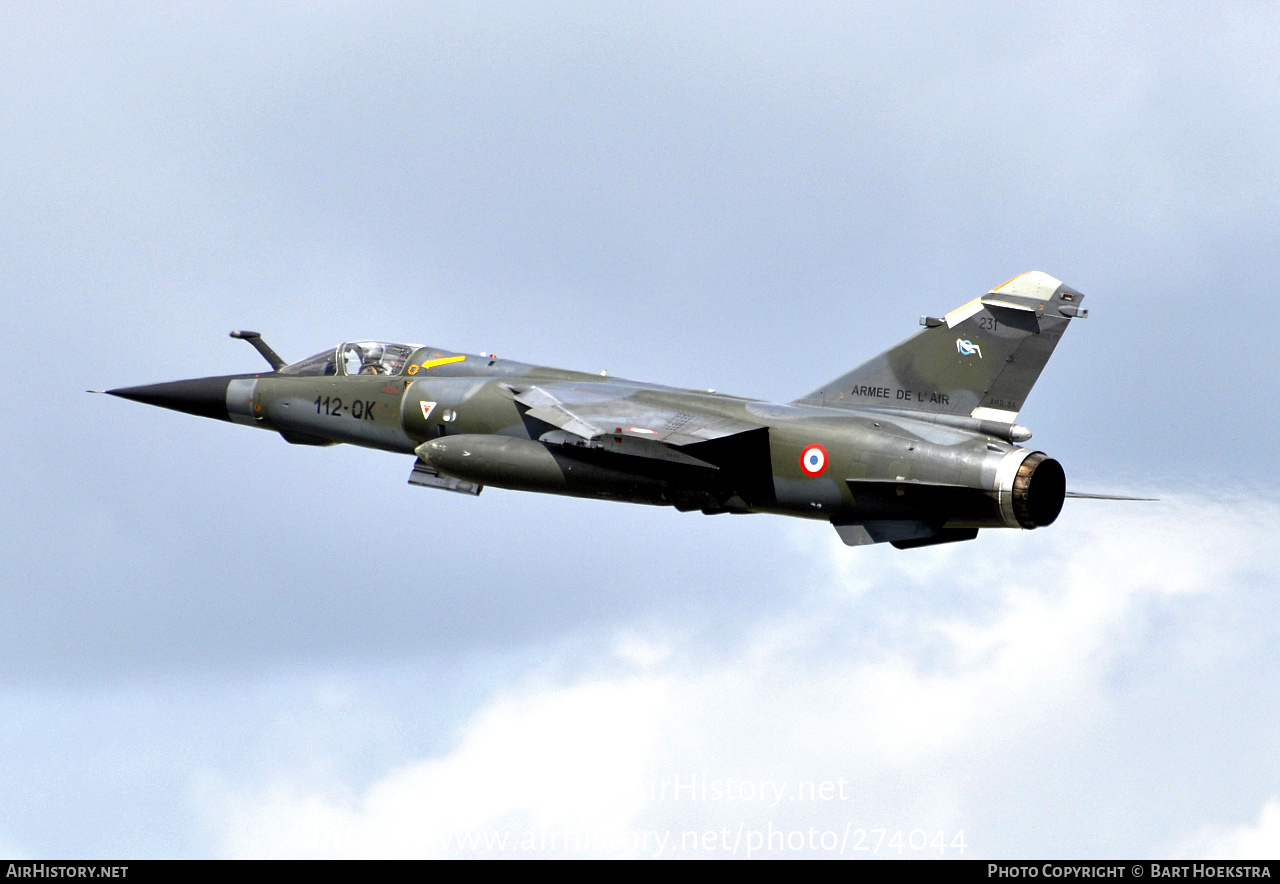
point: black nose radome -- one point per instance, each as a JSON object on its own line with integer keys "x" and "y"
{"x": 206, "y": 397}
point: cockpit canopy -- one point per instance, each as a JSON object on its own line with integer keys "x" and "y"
{"x": 360, "y": 358}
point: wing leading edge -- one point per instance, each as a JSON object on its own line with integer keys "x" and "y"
{"x": 591, "y": 413}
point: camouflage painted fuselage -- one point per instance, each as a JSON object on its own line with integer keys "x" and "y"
{"x": 915, "y": 447}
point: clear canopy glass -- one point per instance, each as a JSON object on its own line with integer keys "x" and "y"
{"x": 313, "y": 366}
{"x": 359, "y": 358}
{"x": 375, "y": 357}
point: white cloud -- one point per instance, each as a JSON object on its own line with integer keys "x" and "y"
{"x": 1248, "y": 841}
{"x": 640, "y": 650}
{"x": 567, "y": 757}
{"x": 897, "y": 677}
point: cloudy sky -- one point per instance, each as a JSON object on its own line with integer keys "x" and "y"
{"x": 215, "y": 644}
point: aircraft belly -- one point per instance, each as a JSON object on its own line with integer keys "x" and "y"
{"x": 586, "y": 479}
{"x": 528, "y": 465}
{"x": 818, "y": 497}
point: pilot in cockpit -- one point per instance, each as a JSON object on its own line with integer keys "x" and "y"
{"x": 372, "y": 360}
{"x": 375, "y": 358}
{"x": 363, "y": 358}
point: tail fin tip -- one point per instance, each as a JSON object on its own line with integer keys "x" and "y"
{"x": 1032, "y": 284}
{"x": 980, "y": 360}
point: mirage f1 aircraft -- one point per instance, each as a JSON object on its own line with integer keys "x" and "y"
{"x": 915, "y": 447}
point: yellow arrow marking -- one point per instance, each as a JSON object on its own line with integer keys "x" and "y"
{"x": 444, "y": 360}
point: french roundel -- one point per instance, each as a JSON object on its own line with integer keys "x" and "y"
{"x": 813, "y": 460}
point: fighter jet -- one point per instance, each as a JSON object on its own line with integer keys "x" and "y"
{"x": 918, "y": 446}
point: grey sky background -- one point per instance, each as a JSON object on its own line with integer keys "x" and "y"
{"x": 213, "y": 643}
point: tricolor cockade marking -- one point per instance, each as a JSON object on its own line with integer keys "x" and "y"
{"x": 813, "y": 460}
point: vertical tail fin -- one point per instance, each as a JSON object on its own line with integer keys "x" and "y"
{"x": 979, "y": 361}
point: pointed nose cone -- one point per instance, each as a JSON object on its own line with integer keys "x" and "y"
{"x": 206, "y": 397}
